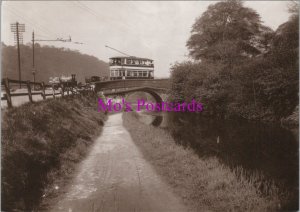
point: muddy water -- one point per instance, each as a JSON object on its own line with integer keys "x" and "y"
{"x": 116, "y": 177}
{"x": 265, "y": 153}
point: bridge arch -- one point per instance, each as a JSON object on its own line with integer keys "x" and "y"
{"x": 153, "y": 92}
{"x": 155, "y": 87}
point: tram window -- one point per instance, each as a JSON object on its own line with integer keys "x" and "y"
{"x": 140, "y": 74}
{"x": 144, "y": 73}
{"x": 135, "y": 74}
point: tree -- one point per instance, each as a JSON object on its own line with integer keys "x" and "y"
{"x": 293, "y": 7}
{"x": 225, "y": 32}
{"x": 285, "y": 43}
{"x": 227, "y": 78}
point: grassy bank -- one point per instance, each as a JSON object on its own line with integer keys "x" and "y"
{"x": 42, "y": 142}
{"x": 203, "y": 184}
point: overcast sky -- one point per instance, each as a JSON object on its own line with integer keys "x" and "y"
{"x": 154, "y": 29}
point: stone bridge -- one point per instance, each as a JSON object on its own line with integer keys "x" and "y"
{"x": 156, "y": 88}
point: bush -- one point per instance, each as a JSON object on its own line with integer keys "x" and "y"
{"x": 38, "y": 139}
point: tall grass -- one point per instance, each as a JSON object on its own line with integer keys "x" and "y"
{"x": 203, "y": 184}
{"x": 42, "y": 142}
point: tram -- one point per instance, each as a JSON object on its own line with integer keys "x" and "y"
{"x": 130, "y": 68}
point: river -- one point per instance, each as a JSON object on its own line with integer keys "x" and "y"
{"x": 265, "y": 154}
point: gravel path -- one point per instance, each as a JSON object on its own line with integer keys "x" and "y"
{"x": 116, "y": 177}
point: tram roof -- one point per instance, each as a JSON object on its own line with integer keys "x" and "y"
{"x": 131, "y": 57}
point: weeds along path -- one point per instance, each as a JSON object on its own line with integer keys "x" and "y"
{"x": 116, "y": 177}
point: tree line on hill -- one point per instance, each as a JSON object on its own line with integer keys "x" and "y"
{"x": 50, "y": 62}
{"x": 240, "y": 68}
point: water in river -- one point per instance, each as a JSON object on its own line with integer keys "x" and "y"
{"x": 262, "y": 152}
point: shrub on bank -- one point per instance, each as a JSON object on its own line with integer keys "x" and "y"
{"x": 38, "y": 140}
{"x": 254, "y": 90}
{"x": 203, "y": 184}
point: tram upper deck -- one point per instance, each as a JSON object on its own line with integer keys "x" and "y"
{"x": 131, "y": 68}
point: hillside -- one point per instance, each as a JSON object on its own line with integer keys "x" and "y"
{"x": 49, "y": 62}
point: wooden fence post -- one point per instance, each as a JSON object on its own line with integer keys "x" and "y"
{"x": 62, "y": 90}
{"x": 53, "y": 91}
{"x": 8, "y": 97}
{"x": 43, "y": 90}
{"x": 29, "y": 91}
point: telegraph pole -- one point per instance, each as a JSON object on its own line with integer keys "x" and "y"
{"x": 33, "y": 68}
{"x": 17, "y": 28}
{"x": 19, "y": 57}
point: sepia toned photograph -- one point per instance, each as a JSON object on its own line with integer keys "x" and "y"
{"x": 149, "y": 106}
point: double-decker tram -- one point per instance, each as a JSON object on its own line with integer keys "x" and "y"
{"x": 129, "y": 67}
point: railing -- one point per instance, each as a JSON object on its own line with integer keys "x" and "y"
{"x": 42, "y": 90}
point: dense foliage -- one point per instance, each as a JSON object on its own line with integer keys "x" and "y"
{"x": 241, "y": 68}
{"x": 227, "y": 31}
{"x": 50, "y": 62}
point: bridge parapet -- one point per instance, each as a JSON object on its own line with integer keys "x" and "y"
{"x": 119, "y": 84}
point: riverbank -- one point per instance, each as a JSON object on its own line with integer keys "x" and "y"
{"x": 203, "y": 184}
{"x": 41, "y": 144}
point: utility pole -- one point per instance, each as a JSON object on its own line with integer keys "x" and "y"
{"x": 17, "y": 28}
{"x": 19, "y": 57}
{"x": 33, "y": 68}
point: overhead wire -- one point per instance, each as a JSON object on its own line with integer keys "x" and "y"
{"x": 31, "y": 23}
{"x": 27, "y": 21}
{"x": 86, "y": 8}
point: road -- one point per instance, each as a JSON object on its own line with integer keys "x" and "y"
{"x": 19, "y": 100}
{"x": 116, "y": 177}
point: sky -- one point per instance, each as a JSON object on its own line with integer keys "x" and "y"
{"x": 152, "y": 29}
